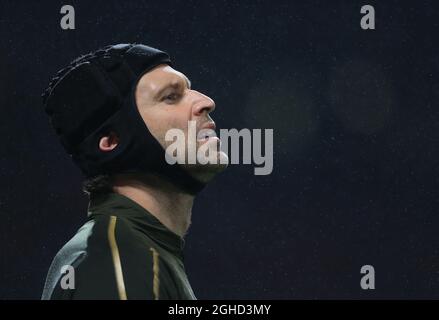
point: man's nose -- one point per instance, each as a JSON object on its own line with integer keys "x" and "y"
{"x": 203, "y": 104}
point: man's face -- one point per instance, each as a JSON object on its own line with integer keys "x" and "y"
{"x": 166, "y": 101}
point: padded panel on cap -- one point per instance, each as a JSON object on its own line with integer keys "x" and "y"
{"x": 82, "y": 101}
{"x": 142, "y": 58}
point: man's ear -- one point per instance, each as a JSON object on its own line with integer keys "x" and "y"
{"x": 109, "y": 142}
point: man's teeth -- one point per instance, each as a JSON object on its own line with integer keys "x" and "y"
{"x": 206, "y": 134}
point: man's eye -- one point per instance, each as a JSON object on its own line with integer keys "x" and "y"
{"x": 171, "y": 97}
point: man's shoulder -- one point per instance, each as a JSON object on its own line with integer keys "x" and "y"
{"x": 71, "y": 254}
{"x": 95, "y": 236}
{"x": 105, "y": 252}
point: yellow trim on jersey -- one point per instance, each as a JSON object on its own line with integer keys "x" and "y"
{"x": 116, "y": 258}
{"x": 155, "y": 270}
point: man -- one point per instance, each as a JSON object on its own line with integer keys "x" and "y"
{"x": 112, "y": 110}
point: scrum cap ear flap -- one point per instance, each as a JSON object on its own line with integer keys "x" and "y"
{"x": 88, "y": 104}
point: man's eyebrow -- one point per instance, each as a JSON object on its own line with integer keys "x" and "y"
{"x": 173, "y": 84}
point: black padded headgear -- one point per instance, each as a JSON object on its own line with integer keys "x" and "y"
{"x": 95, "y": 95}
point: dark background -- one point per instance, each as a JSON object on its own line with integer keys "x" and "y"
{"x": 355, "y": 119}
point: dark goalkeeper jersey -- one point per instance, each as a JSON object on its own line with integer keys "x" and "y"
{"x": 121, "y": 252}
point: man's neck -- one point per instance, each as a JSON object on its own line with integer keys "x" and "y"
{"x": 169, "y": 205}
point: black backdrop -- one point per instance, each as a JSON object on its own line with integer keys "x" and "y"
{"x": 355, "y": 119}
